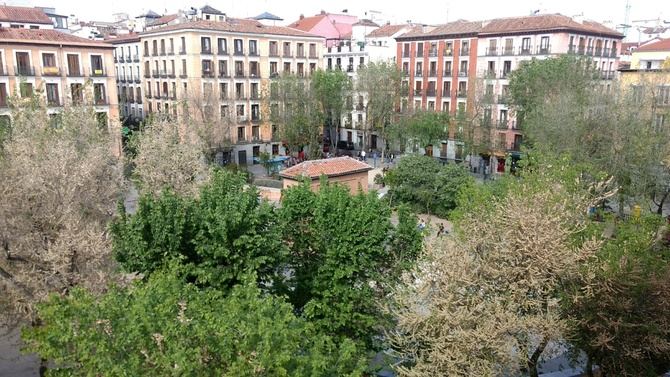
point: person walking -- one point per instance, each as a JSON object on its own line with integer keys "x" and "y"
{"x": 363, "y": 155}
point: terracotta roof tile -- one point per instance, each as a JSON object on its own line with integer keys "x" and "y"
{"x": 24, "y": 14}
{"x": 662, "y": 45}
{"x": 365, "y": 22}
{"x": 307, "y": 23}
{"x": 123, "y": 38}
{"x": 544, "y": 22}
{"x": 47, "y": 36}
{"x": 331, "y": 167}
{"x": 386, "y": 31}
{"x": 233, "y": 25}
{"x": 164, "y": 20}
{"x": 451, "y": 28}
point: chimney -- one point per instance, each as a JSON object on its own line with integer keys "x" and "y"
{"x": 323, "y": 12}
{"x": 302, "y": 16}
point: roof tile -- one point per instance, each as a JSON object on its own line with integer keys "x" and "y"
{"x": 234, "y": 25}
{"x": 24, "y": 14}
{"x": 386, "y": 31}
{"x": 47, "y": 36}
{"x": 544, "y": 22}
{"x": 662, "y": 45}
{"x": 331, "y": 167}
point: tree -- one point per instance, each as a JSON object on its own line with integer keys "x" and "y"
{"x": 295, "y": 107}
{"x": 59, "y": 181}
{"x": 622, "y": 321}
{"x": 486, "y": 302}
{"x": 192, "y": 331}
{"x": 566, "y": 109}
{"x": 168, "y": 159}
{"x": 221, "y": 235}
{"x": 330, "y": 89}
{"x": 381, "y": 83}
{"x": 343, "y": 250}
{"x": 426, "y": 185}
{"x": 426, "y": 128}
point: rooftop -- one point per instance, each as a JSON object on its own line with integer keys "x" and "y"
{"x": 452, "y": 28}
{"x": 209, "y": 10}
{"x": 163, "y": 20}
{"x": 330, "y": 167}
{"x": 365, "y": 22}
{"x": 544, "y": 22}
{"x": 149, "y": 14}
{"x": 386, "y": 31}
{"x": 267, "y": 16}
{"x": 24, "y": 14}
{"x": 123, "y": 38}
{"x": 233, "y": 25}
{"x": 658, "y": 46}
{"x": 47, "y": 37}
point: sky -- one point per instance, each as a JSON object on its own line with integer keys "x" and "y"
{"x": 429, "y": 11}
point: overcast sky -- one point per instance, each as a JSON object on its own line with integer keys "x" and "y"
{"x": 429, "y": 11}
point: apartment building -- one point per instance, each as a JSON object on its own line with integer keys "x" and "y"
{"x": 220, "y": 71}
{"x": 128, "y": 72}
{"x": 438, "y": 64}
{"x": 24, "y": 18}
{"x": 505, "y": 43}
{"x": 369, "y": 43}
{"x": 335, "y": 28}
{"x": 649, "y": 79}
{"x": 63, "y": 68}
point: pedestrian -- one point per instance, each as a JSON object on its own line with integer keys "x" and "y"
{"x": 363, "y": 155}
{"x": 392, "y": 157}
{"x": 422, "y": 225}
{"x": 440, "y": 230}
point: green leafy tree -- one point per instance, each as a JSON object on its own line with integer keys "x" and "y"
{"x": 427, "y": 185}
{"x": 221, "y": 235}
{"x": 427, "y": 128}
{"x": 190, "y": 331}
{"x": 620, "y": 307}
{"x": 341, "y": 257}
{"x": 331, "y": 88}
{"x": 381, "y": 83}
{"x": 294, "y": 105}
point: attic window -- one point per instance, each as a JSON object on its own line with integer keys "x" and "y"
{"x": 207, "y": 17}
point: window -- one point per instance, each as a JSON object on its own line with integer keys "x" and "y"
{"x": 465, "y": 47}
{"x": 447, "y": 68}
{"x": 222, "y": 45}
{"x": 171, "y": 51}
{"x": 287, "y": 67}
{"x": 273, "y": 69}
{"x": 287, "y": 49}
{"x": 239, "y": 69}
{"x": 225, "y": 112}
{"x": 76, "y": 91}
{"x": 52, "y": 95}
{"x": 544, "y": 45}
{"x": 154, "y": 46}
{"x": 73, "y": 65}
{"x": 405, "y": 50}
{"x": 663, "y": 96}
{"x": 301, "y": 50}
{"x": 445, "y": 107}
{"x": 49, "y": 64}
{"x": 659, "y": 121}
{"x": 253, "y": 47}
{"x": 240, "y": 133}
{"x": 205, "y": 46}
{"x": 253, "y": 69}
{"x": 182, "y": 49}
{"x": 525, "y": 46}
{"x": 509, "y": 46}
{"x": 312, "y": 50}
{"x": 448, "y": 48}
{"x": 3, "y": 95}
{"x": 419, "y": 49}
{"x": 96, "y": 65}
{"x": 26, "y": 89}
{"x": 507, "y": 67}
{"x": 207, "y": 67}
{"x": 99, "y": 96}
{"x": 446, "y": 88}
{"x": 183, "y": 68}
{"x": 419, "y": 69}
{"x": 273, "y": 49}
{"x": 23, "y": 64}
{"x": 223, "y": 68}
{"x": 239, "y": 47}
{"x": 463, "y": 71}
{"x": 223, "y": 91}
{"x": 239, "y": 110}
{"x": 162, "y": 46}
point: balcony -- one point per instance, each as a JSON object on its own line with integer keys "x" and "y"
{"x": 491, "y": 51}
{"x": 150, "y": 96}
{"x": 137, "y": 80}
{"x": 589, "y": 51}
{"x": 544, "y": 50}
{"x": 350, "y": 68}
{"x": 122, "y": 59}
{"x": 163, "y": 74}
{"x": 607, "y": 75}
{"x": 116, "y": 60}
{"x": 154, "y": 52}
{"x": 417, "y": 92}
{"x": 222, "y": 51}
{"x": 170, "y": 52}
{"x": 462, "y": 94}
{"x": 287, "y": 54}
{"x": 207, "y": 74}
{"x": 448, "y": 52}
{"x": 405, "y": 54}
{"x": 155, "y": 74}
{"x": 525, "y": 50}
{"x": 257, "y": 74}
{"x": 171, "y": 74}
{"x": 206, "y": 51}
{"x": 432, "y": 73}
{"x": 122, "y": 79}
{"x": 26, "y": 70}
{"x": 313, "y": 55}
{"x": 136, "y": 58}
{"x": 163, "y": 52}
{"x": 465, "y": 51}
{"x": 503, "y": 99}
{"x": 581, "y": 50}
{"x": 274, "y": 75}
{"x": 139, "y": 101}
{"x": 432, "y": 53}
{"x": 100, "y": 101}
{"x": 239, "y": 53}
{"x": 255, "y": 96}
{"x": 147, "y": 75}
{"x": 446, "y": 73}
{"x": 224, "y": 75}
{"x": 146, "y": 54}
{"x": 606, "y": 52}
{"x": 462, "y": 73}
{"x": 253, "y": 53}
{"x": 419, "y": 53}
{"x": 239, "y": 74}
{"x": 240, "y": 96}
{"x": 613, "y": 53}
{"x": 50, "y": 71}
{"x": 182, "y": 51}
{"x": 241, "y": 119}
{"x": 405, "y": 73}
{"x": 54, "y": 102}
{"x": 599, "y": 51}
{"x": 418, "y": 73}
{"x": 505, "y": 74}
{"x": 274, "y": 53}
{"x": 360, "y": 107}
{"x": 502, "y": 124}
{"x": 430, "y": 92}
{"x": 183, "y": 74}
{"x": 256, "y": 119}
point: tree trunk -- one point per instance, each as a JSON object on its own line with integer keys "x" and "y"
{"x": 659, "y": 211}
{"x": 532, "y": 362}
{"x": 589, "y": 367}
